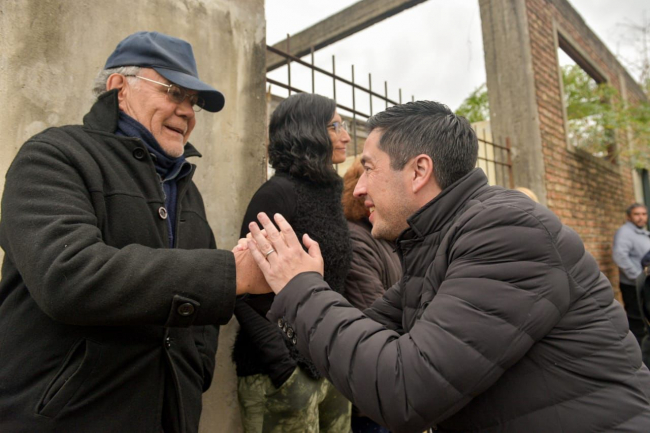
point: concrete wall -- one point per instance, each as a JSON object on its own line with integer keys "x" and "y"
{"x": 50, "y": 51}
{"x": 521, "y": 40}
{"x": 511, "y": 89}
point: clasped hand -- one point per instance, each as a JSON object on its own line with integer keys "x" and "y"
{"x": 279, "y": 254}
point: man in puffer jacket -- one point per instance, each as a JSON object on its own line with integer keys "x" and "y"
{"x": 501, "y": 322}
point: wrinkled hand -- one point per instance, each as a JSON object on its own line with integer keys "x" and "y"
{"x": 242, "y": 245}
{"x": 288, "y": 258}
{"x": 249, "y": 277}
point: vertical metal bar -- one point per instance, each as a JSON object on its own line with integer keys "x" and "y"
{"x": 354, "y": 114}
{"x": 510, "y": 173}
{"x": 502, "y": 168}
{"x": 289, "y": 63}
{"x": 386, "y": 93}
{"x": 313, "y": 78}
{"x": 400, "y": 96}
{"x": 370, "y": 90}
{"x": 487, "y": 157}
{"x": 334, "y": 75}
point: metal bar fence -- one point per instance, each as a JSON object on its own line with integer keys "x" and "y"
{"x": 495, "y": 159}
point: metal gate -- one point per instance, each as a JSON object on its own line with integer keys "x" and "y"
{"x": 495, "y": 159}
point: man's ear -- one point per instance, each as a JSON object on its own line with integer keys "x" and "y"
{"x": 422, "y": 171}
{"x": 117, "y": 81}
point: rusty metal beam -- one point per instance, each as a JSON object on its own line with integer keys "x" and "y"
{"x": 355, "y": 18}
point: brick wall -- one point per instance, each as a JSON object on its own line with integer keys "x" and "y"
{"x": 586, "y": 192}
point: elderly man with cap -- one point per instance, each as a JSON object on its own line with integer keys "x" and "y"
{"x": 112, "y": 287}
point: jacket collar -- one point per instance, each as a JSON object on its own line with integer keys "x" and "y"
{"x": 431, "y": 217}
{"x": 636, "y": 229}
{"x": 105, "y": 113}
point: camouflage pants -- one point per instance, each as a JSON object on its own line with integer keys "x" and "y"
{"x": 301, "y": 405}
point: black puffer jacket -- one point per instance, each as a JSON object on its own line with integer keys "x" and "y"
{"x": 502, "y": 322}
{"x": 101, "y": 324}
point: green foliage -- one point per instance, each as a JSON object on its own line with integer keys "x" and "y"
{"x": 591, "y": 115}
{"x": 475, "y": 107}
{"x": 638, "y": 117}
{"x": 598, "y": 120}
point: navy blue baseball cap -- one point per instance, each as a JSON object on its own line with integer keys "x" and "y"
{"x": 171, "y": 57}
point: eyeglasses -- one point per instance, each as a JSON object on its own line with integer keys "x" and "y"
{"x": 177, "y": 94}
{"x": 339, "y": 126}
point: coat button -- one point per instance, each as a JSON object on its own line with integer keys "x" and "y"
{"x": 168, "y": 342}
{"x": 280, "y": 323}
{"x": 138, "y": 153}
{"x": 162, "y": 212}
{"x": 294, "y": 340}
{"x": 290, "y": 333}
{"x": 186, "y": 309}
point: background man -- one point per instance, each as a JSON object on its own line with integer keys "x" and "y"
{"x": 112, "y": 287}
{"x": 501, "y": 322}
{"x": 631, "y": 243}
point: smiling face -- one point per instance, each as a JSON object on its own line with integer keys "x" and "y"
{"x": 339, "y": 141}
{"x": 386, "y": 192}
{"x": 170, "y": 123}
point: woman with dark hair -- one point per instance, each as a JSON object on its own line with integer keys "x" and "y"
{"x": 279, "y": 390}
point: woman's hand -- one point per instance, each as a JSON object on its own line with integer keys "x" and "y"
{"x": 279, "y": 254}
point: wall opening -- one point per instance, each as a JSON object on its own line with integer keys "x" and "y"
{"x": 587, "y": 98}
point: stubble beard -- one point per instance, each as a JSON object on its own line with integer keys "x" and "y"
{"x": 393, "y": 225}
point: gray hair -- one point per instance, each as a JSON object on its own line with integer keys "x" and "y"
{"x": 633, "y": 206}
{"x": 99, "y": 85}
{"x": 426, "y": 127}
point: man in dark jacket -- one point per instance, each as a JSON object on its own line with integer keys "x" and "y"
{"x": 501, "y": 322}
{"x": 112, "y": 287}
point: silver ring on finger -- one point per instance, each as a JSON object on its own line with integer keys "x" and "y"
{"x": 269, "y": 252}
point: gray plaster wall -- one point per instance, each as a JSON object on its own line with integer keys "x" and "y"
{"x": 50, "y": 51}
{"x": 511, "y": 89}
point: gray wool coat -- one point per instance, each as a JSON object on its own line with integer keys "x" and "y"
{"x": 502, "y": 322}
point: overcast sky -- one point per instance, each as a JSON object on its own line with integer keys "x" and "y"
{"x": 432, "y": 51}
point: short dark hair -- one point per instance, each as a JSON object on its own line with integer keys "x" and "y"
{"x": 633, "y": 206}
{"x": 299, "y": 143}
{"x": 430, "y": 128}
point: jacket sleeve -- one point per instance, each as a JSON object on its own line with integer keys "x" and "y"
{"x": 274, "y": 196}
{"x": 363, "y": 284}
{"x": 50, "y": 231}
{"x": 387, "y": 310}
{"x": 267, "y": 338}
{"x": 488, "y": 312}
{"x": 623, "y": 244}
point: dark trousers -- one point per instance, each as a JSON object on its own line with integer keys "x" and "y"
{"x": 361, "y": 424}
{"x": 643, "y": 294}
{"x": 632, "y": 310}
